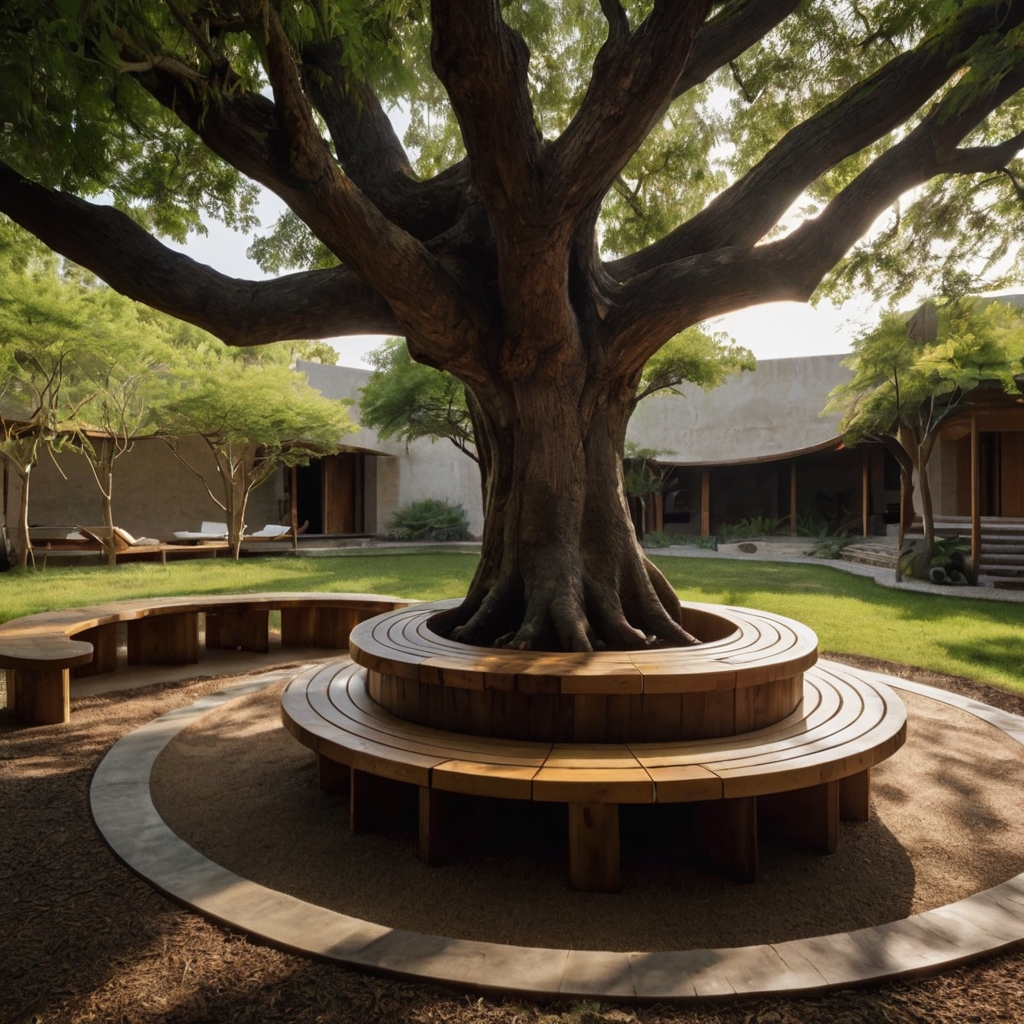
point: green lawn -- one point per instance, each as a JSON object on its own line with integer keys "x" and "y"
{"x": 850, "y": 614}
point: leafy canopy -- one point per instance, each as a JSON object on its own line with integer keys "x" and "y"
{"x": 900, "y": 381}
{"x": 72, "y": 116}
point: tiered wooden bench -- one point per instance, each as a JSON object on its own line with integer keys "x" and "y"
{"x": 43, "y": 653}
{"x": 746, "y": 718}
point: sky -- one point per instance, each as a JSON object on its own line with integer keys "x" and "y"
{"x": 776, "y": 330}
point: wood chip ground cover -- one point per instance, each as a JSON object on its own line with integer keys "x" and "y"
{"x": 82, "y": 939}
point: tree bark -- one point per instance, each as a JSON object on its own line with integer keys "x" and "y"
{"x": 560, "y": 566}
{"x": 25, "y": 550}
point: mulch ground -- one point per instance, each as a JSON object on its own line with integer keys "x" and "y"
{"x": 84, "y": 939}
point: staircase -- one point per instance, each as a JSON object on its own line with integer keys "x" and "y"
{"x": 1001, "y": 562}
{"x": 877, "y": 551}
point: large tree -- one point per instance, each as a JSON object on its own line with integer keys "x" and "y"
{"x": 592, "y": 177}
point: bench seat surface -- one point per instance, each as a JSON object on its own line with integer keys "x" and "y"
{"x": 849, "y": 721}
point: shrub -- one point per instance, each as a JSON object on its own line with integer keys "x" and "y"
{"x": 757, "y": 526}
{"x": 657, "y": 539}
{"x": 429, "y": 519}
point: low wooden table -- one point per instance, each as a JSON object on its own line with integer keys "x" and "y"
{"x": 616, "y": 732}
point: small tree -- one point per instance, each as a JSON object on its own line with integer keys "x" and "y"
{"x": 116, "y": 378}
{"x": 254, "y": 417}
{"x": 40, "y": 321}
{"x": 407, "y": 400}
{"x": 906, "y": 384}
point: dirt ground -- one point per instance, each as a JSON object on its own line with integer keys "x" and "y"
{"x": 84, "y": 939}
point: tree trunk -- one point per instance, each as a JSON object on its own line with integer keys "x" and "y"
{"x": 25, "y": 551}
{"x": 7, "y": 556}
{"x": 560, "y": 566}
{"x": 927, "y": 513}
{"x": 105, "y": 474}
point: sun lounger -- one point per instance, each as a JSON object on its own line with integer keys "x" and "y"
{"x": 206, "y": 532}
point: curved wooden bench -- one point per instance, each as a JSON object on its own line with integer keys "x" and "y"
{"x": 807, "y": 770}
{"x": 746, "y": 673}
{"x": 43, "y": 652}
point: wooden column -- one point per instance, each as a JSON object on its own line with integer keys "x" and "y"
{"x": 435, "y": 843}
{"x": 171, "y": 639}
{"x": 792, "y": 498}
{"x": 309, "y": 626}
{"x": 805, "y": 817}
{"x": 39, "y": 696}
{"x": 594, "y": 847}
{"x": 865, "y": 493}
{"x": 379, "y": 804}
{"x": 705, "y": 503}
{"x": 855, "y": 797}
{"x": 238, "y": 628}
{"x": 104, "y": 650}
{"x": 975, "y": 493}
{"x": 331, "y": 776}
{"x": 726, "y": 834}
{"x": 293, "y": 505}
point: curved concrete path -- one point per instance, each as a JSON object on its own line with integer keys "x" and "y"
{"x": 984, "y": 923}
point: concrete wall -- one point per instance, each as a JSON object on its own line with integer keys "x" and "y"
{"x": 771, "y": 411}
{"x": 154, "y": 494}
{"x": 426, "y": 469}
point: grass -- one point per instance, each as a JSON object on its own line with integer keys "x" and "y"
{"x": 850, "y": 614}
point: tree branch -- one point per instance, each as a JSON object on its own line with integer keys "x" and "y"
{"x": 279, "y": 145}
{"x": 318, "y": 304}
{"x": 725, "y": 36}
{"x": 745, "y": 212}
{"x": 483, "y": 66}
{"x": 984, "y": 159}
{"x": 371, "y": 154}
{"x": 665, "y": 300}
{"x": 631, "y": 87}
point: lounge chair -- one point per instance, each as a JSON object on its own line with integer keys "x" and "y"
{"x": 206, "y": 532}
{"x": 272, "y": 532}
{"x": 123, "y": 540}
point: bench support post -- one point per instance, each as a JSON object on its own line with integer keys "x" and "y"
{"x": 594, "y": 847}
{"x": 435, "y": 842}
{"x": 855, "y": 797}
{"x": 164, "y": 639}
{"x": 39, "y": 696}
{"x": 377, "y": 804}
{"x": 318, "y": 627}
{"x": 806, "y": 817}
{"x": 104, "y": 650}
{"x": 238, "y": 628}
{"x": 727, "y": 835}
{"x": 331, "y": 776}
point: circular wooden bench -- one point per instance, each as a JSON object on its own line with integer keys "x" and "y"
{"x": 807, "y": 770}
{"x": 746, "y": 673}
{"x": 42, "y": 653}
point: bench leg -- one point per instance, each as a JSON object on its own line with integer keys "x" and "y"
{"x": 104, "y": 650}
{"x": 331, "y": 776}
{"x": 239, "y": 629}
{"x": 594, "y": 847}
{"x": 727, "y": 835}
{"x": 377, "y": 804}
{"x": 164, "y": 639}
{"x": 855, "y": 797}
{"x": 39, "y": 696}
{"x": 435, "y": 841}
{"x": 317, "y": 627}
{"x": 806, "y": 817}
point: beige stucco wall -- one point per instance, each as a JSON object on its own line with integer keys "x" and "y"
{"x": 423, "y": 470}
{"x": 768, "y": 412}
{"x": 154, "y": 494}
